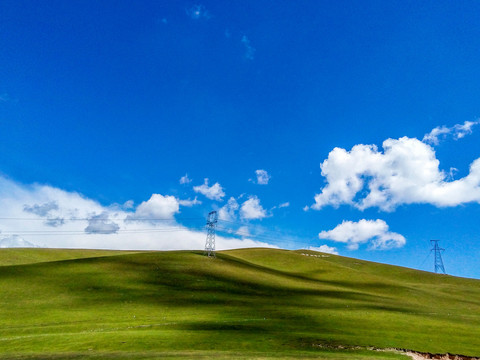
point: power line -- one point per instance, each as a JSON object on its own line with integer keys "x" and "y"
{"x": 99, "y": 219}
{"x": 83, "y": 232}
{"x": 274, "y": 236}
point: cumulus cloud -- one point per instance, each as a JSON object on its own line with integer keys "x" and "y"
{"x": 458, "y": 131}
{"x": 284, "y": 205}
{"x": 406, "y": 172}
{"x": 325, "y": 249}
{"x": 228, "y": 211}
{"x": 197, "y": 12}
{"x": 374, "y": 232}
{"x": 90, "y": 225}
{"x": 214, "y": 192}
{"x": 262, "y": 177}
{"x": 252, "y": 209}
{"x": 157, "y": 207}
{"x": 15, "y": 241}
{"x": 185, "y": 180}
{"x": 249, "y": 49}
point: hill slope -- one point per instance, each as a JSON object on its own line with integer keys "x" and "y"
{"x": 251, "y": 303}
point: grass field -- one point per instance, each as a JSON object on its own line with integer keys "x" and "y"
{"x": 245, "y": 304}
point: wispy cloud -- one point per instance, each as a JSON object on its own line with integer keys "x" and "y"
{"x": 4, "y": 98}
{"x": 457, "y": 131}
{"x": 189, "y": 203}
{"x": 185, "y": 179}
{"x": 249, "y": 49}
{"x": 197, "y": 12}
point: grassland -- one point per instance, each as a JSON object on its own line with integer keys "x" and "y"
{"x": 245, "y": 304}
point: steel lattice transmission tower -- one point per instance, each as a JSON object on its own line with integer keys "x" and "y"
{"x": 438, "y": 257}
{"x": 210, "y": 243}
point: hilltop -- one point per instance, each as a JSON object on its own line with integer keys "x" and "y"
{"x": 249, "y": 303}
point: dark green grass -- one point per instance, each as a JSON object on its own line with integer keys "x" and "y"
{"x": 246, "y": 304}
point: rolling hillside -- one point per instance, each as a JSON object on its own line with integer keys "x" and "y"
{"x": 250, "y": 303}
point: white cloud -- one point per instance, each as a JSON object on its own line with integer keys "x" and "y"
{"x": 189, "y": 203}
{"x": 262, "y": 177}
{"x": 406, "y": 172}
{"x": 21, "y": 228}
{"x": 284, "y": 205}
{"x": 249, "y": 49}
{"x": 185, "y": 179}
{"x": 252, "y": 209}
{"x": 15, "y": 241}
{"x": 243, "y": 231}
{"x": 458, "y": 131}
{"x": 228, "y": 212}
{"x": 214, "y": 192}
{"x": 157, "y": 207}
{"x": 374, "y": 232}
{"x": 325, "y": 249}
{"x": 197, "y": 12}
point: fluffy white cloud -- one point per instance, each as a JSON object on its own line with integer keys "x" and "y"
{"x": 157, "y": 207}
{"x": 228, "y": 212}
{"x": 14, "y": 241}
{"x": 458, "y": 131}
{"x": 325, "y": 249}
{"x": 375, "y": 232}
{"x": 284, "y": 205}
{"x": 87, "y": 224}
{"x": 185, "y": 179}
{"x": 262, "y": 177}
{"x": 214, "y": 192}
{"x": 406, "y": 172}
{"x": 252, "y": 209}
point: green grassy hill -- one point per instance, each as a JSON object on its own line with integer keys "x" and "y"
{"x": 251, "y": 303}
{"x": 16, "y": 256}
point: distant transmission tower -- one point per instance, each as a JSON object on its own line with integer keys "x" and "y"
{"x": 438, "y": 256}
{"x": 210, "y": 243}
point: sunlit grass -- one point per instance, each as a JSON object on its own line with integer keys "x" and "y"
{"x": 246, "y": 304}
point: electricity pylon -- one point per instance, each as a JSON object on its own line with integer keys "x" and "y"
{"x": 438, "y": 256}
{"x": 210, "y": 242}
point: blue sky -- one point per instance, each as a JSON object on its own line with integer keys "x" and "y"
{"x": 105, "y": 106}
